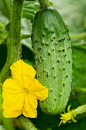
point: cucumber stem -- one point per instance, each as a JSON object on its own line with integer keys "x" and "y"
{"x": 26, "y": 123}
{"x": 13, "y": 41}
{"x": 81, "y": 35}
{"x": 80, "y": 90}
{"x": 24, "y": 36}
{"x": 80, "y": 110}
{"x": 43, "y": 3}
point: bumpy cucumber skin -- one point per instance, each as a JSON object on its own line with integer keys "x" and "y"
{"x": 53, "y": 58}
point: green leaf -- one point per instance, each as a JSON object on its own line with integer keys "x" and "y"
{"x": 27, "y": 43}
{"x": 26, "y": 29}
{"x": 29, "y": 9}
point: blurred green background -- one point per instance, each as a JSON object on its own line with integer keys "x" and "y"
{"x": 73, "y": 13}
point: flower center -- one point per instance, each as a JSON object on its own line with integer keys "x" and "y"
{"x": 26, "y": 90}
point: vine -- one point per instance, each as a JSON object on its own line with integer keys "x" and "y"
{"x": 13, "y": 42}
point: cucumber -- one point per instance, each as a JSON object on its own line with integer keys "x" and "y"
{"x": 53, "y": 58}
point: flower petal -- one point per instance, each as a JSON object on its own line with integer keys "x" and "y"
{"x": 12, "y": 104}
{"x": 20, "y": 69}
{"x": 30, "y": 106}
{"x": 10, "y": 86}
{"x": 38, "y": 90}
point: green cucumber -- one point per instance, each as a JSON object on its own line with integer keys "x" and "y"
{"x": 53, "y": 58}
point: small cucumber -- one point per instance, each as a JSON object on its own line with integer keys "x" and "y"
{"x": 53, "y": 58}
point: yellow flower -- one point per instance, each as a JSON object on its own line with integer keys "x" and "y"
{"x": 20, "y": 94}
{"x": 65, "y": 117}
